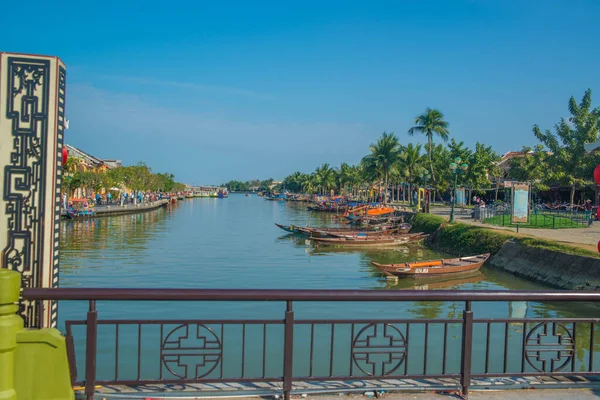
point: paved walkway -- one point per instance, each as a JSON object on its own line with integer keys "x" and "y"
{"x": 581, "y": 237}
{"x": 525, "y": 394}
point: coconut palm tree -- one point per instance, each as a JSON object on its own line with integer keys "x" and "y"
{"x": 430, "y": 123}
{"x": 384, "y": 154}
{"x": 411, "y": 159}
{"x": 325, "y": 177}
{"x": 309, "y": 184}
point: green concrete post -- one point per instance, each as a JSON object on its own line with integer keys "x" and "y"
{"x": 10, "y": 325}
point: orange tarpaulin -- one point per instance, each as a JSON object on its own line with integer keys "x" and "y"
{"x": 372, "y": 211}
{"x": 380, "y": 211}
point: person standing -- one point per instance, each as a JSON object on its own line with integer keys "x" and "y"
{"x": 588, "y": 212}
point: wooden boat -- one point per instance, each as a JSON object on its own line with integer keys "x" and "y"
{"x": 401, "y": 229}
{"x": 381, "y": 229}
{"x": 287, "y": 228}
{"x": 380, "y": 241}
{"x": 434, "y": 267}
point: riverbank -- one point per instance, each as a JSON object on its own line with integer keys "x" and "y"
{"x": 114, "y": 210}
{"x": 558, "y": 265}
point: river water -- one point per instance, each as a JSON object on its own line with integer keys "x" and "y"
{"x": 232, "y": 243}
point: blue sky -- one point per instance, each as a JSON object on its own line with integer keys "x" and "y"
{"x": 214, "y": 91}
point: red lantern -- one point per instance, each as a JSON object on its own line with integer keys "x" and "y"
{"x": 598, "y": 247}
{"x": 66, "y": 155}
{"x": 597, "y": 174}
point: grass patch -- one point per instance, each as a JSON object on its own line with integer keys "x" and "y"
{"x": 541, "y": 221}
{"x": 466, "y": 240}
{"x": 427, "y": 223}
{"x": 560, "y": 247}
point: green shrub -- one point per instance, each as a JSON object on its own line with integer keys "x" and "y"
{"x": 465, "y": 240}
{"x": 427, "y": 223}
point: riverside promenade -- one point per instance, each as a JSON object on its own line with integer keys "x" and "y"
{"x": 586, "y": 238}
{"x": 544, "y": 394}
{"x": 117, "y": 209}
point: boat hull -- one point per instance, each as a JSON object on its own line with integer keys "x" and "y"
{"x": 434, "y": 268}
{"x": 370, "y": 242}
{"x": 287, "y": 228}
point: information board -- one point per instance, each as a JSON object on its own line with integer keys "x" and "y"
{"x": 520, "y": 203}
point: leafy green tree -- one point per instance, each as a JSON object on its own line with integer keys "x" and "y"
{"x": 384, "y": 154}
{"x": 431, "y": 123}
{"x": 482, "y": 163}
{"x": 569, "y": 162}
{"x": 441, "y": 162}
{"x": 266, "y": 184}
{"x": 532, "y": 167}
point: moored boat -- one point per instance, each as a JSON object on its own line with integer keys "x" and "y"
{"x": 434, "y": 267}
{"x": 381, "y": 241}
{"x": 287, "y": 228}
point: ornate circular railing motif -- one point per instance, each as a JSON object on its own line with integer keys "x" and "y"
{"x": 549, "y": 341}
{"x": 191, "y": 351}
{"x": 379, "y": 349}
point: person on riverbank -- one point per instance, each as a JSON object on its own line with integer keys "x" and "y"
{"x": 588, "y": 211}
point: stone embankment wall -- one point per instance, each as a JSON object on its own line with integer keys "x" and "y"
{"x": 543, "y": 261}
{"x": 130, "y": 208}
{"x": 552, "y": 268}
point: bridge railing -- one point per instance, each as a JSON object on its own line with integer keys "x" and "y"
{"x": 287, "y": 350}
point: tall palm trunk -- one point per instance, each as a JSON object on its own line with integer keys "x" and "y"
{"x": 385, "y": 187}
{"x": 429, "y": 151}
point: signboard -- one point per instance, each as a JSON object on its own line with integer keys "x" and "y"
{"x": 520, "y": 203}
{"x": 460, "y": 197}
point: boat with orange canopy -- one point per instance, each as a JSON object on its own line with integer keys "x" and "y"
{"x": 434, "y": 267}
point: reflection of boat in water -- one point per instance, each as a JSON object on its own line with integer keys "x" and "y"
{"x": 436, "y": 282}
{"x": 434, "y": 267}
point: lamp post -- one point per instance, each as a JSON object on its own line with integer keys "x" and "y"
{"x": 425, "y": 175}
{"x": 456, "y": 168}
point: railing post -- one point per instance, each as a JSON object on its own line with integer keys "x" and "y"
{"x": 288, "y": 352}
{"x": 467, "y": 348}
{"x": 10, "y": 325}
{"x": 90, "y": 350}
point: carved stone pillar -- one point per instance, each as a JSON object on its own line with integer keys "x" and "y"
{"x": 32, "y": 122}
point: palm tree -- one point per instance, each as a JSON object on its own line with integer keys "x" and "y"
{"x": 429, "y": 123}
{"x": 384, "y": 155}
{"x": 370, "y": 173}
{"x": 411, "y": 159}
{"x": 325, "y": 177}
{"x": 344, "y": 175}
{"x": 309, "y": 184}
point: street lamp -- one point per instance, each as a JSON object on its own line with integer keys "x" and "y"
{"x": 456, "y": 168}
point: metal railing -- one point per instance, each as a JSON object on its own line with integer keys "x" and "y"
{"x": 289, "y": 350}
{"x": 546, "y": 218}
